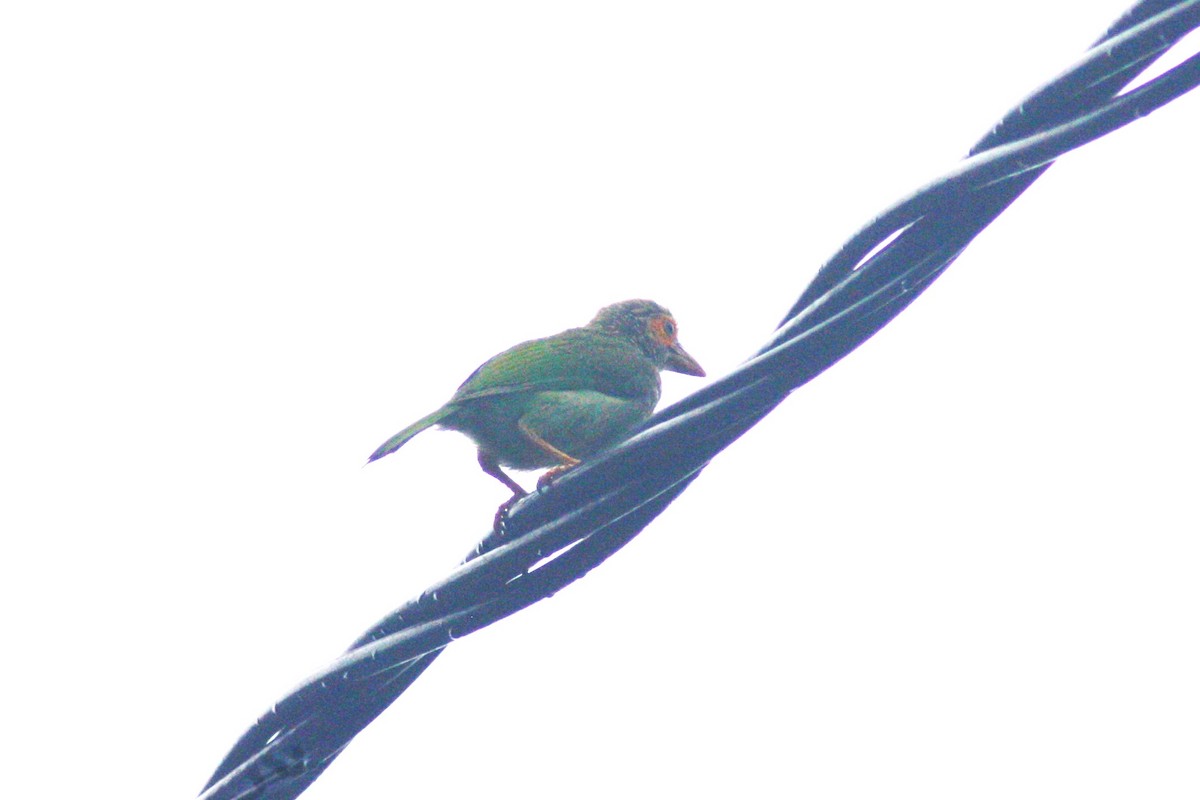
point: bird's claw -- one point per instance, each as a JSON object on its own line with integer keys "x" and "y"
{"x": 500, "y": 521}
{"x": 552, "y": 475}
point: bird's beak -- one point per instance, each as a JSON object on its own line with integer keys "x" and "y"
{"x": 679, "y": 361}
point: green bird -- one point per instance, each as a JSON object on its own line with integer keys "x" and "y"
{"x": 554, "y": 401}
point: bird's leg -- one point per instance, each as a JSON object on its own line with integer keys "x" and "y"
{"x": 491, "y": 466}
{"x": 568, "y": 461}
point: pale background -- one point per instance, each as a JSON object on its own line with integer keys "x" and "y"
{"x": 244, "y": 243}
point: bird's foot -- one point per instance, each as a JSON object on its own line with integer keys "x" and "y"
{"x": 501, "y": 519}
{"x": 550, "y": 476}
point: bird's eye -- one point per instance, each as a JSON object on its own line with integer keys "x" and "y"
{"x": 662, "y": 329}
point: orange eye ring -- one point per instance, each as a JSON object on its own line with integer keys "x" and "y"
{"x": 663, "y": 330}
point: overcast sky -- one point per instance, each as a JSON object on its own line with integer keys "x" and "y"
{"x": 244, "y": 243}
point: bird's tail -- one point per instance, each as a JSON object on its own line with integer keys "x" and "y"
{"x": 396, "y": 442}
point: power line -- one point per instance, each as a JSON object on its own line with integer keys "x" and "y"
{"x": 555, "y": 537}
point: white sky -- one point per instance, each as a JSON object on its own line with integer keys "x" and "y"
{"x": 244, "y": 243}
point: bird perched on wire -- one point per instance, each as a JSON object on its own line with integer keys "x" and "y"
{"x": 554, "y": 401}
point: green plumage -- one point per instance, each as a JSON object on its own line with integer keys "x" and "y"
{"x": 396, "y": 442}
{"x": 550, "y": 402}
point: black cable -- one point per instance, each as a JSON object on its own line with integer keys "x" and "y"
{"x": 555, "y": 537}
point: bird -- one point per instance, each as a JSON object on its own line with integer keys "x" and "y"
{"x": 552, "y": 402}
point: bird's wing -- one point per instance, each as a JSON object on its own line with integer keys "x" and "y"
{"x": 577, "y": 359}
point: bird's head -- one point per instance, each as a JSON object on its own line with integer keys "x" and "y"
{"x": 652, "y": 329}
